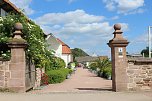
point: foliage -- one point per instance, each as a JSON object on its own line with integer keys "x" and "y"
{"x": 104, "y": 66}
{"x": 44, "y": 79}
{"x": 107, "y": 72}
{"x": 105, "y": 63}
{"x": 58, "y": 76}
{"x": 77, "y": 52}
{"x": 5, "y": 55}
{"x": 93, "y": 66}
{"x": 56, "y": 63}
{"x": 32, "y": 33}
{"x": 146, "y": 52}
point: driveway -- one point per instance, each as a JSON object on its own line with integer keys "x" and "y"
{"x": 82, "y": 81}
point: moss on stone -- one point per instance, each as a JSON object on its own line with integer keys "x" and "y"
{"x": 15, "y": 40}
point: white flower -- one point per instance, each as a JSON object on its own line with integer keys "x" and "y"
{"x": 4, "y": 54}
{"x": 1, "y": 19}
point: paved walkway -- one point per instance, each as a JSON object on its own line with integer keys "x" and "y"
{"x": 81, "y": 81}
{"x": 83, "y": 86}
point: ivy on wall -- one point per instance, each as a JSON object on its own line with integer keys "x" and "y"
{"x": 32, "y": 33}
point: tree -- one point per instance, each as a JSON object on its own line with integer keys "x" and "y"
{"x": 146, "y": 52}
{"x": 77, "y": 52}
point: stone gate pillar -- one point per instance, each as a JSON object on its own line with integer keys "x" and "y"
{"x": 17, "y": 65}
{"x": 119, "y": 62}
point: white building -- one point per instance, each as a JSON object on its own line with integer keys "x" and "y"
{"x": 54, "y": 45}
{"x": 61, "y": 49}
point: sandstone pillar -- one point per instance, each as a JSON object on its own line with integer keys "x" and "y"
{"x": 119, "y": 62}
{"x": 17, "y": 65}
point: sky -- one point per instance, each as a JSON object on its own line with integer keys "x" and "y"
{"x": 88, "y": 24}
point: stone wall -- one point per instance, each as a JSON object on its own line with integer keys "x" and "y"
{"x": 139, "y": 73}
{"x": 4, "y": 73}
{"x": 39, "y": 74}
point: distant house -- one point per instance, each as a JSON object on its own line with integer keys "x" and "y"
{"x": 89, "y": 59}
{"x": 6, "y": 6}
{"x": 61, "y": 49}
{"x": 54, "y": 45}
{"x": 66, "y": 52}
{"x": 134, "y": 55}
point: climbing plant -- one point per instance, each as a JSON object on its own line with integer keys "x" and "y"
{"x": 32, "y": 33}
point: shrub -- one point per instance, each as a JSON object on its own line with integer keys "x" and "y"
{"x": 44, "y": 79}
{"x": 107, "y": 72}
{"x": 57, "y": 76}
{"x": 93, "y": 66}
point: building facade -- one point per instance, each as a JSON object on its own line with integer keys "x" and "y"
{"x": 60, "y": 49}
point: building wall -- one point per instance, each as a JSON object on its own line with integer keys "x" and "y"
{"x": 67, "y": 58}
{"x": 55, "y": 46}
{"x": 139, "y": 75}
{"x": 2, "y": 12}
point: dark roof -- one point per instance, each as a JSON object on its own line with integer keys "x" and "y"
{"x": 9, "y": 7}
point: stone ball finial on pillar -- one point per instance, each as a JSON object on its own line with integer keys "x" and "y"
{"x": 18, "y": 26}
{"x": 17, "y": 40}
{"x": 117, "y": 26}
{"x": 18, "y": 30}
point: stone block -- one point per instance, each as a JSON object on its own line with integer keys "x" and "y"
{"x": 145, "y": 88}
{"x": 17, "y": 74}
{"x": 17, "y": 59}
{"x": 147, "y": 80}
{"x": 2, "y": 78}
{"x": 140, "y": 83}
{"x": 137, "y": 72}
{"x": 134, "y": 67}
{"x": 141, "y": 76}
{"x": 131, "y": 85}
{"x": 17, "y": 66}
{"x": 16, "y": 83}
{"x": 17, "y": 51}
{"x": 130, "y": 72}
{"x": 1, "y": 84}
{"x": 18, "y": 89}
{"x": 138, "y": 80}
{"x": 7, "y": 74}
{"x": 131, "y": 80}
{"x": 150, "y": 71}
{"x": 1, "y": 73}
{"x": 143, "y": 72}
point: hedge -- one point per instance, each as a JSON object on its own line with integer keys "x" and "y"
{"x": 58, "y": 76}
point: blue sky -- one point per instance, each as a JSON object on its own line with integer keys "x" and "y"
{"x": 88, "y": 24}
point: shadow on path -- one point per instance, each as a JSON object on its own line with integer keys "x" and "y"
{"x": 95, "y": 89}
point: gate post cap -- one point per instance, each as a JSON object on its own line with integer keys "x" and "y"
{"x": 18, "y": 26}
{"x": 117, "y": 26}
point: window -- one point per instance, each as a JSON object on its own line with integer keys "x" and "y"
{"x": 2, "y": 12}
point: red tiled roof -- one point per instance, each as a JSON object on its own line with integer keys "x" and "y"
{"x": 65, "y": 48}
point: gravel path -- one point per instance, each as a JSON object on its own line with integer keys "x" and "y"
{"x": 81, "y": 81}
{"x": 82, "y": 86}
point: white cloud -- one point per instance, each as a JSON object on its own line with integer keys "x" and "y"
{"x": 24, "y": 5}
{"x": 79, "y": 29}
{"x": 76, "y": 22}
{"x": 78, "y": 16}
{"x": 125, "y": 6}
